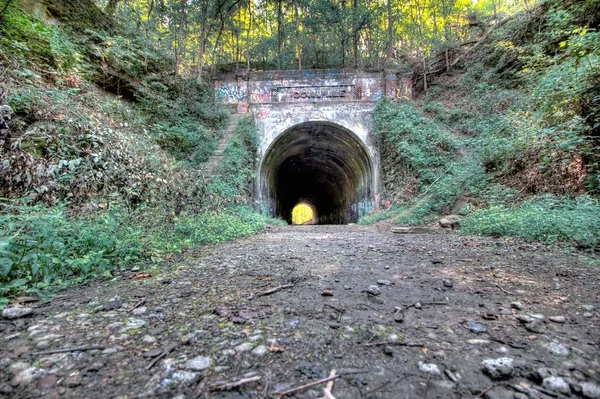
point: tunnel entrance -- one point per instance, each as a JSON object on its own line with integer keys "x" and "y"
{"x": 322, "y": 164}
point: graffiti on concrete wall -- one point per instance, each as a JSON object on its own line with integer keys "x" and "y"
{"x": 231, "y": 92}
{"x": 302, "y": 86}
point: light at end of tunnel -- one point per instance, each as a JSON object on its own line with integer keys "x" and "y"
{"x": 303, "y": 213}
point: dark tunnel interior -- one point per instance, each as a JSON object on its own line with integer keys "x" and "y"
{"x": 321, "y": 164}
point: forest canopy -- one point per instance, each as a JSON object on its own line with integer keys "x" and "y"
{"x": 304, "y": 34}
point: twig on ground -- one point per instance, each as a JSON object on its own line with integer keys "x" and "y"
{"x": 503, "y": 290}
{"x": 137, "y": 305}
{"x": 312, "y": 384}
{"x": 168, "y": 350}
{"x": 328, "y": 391}
{"x": 274, "y": 290}
{"x": 409, "y": 344}
{"x": 334, "y": 307}
{"x": 485, "y": 391}
{"x": 67, "y": 350}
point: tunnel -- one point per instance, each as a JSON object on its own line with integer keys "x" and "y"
{"x": 321, "y": 164}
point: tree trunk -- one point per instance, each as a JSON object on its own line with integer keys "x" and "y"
{"x": 202, "y": 40}
{"x": 298, "y": 44}
{"x": 390, "y": 30}
{"x": 111, "y": 7}
{"x": 355, "y": 30}
{"x": 279, "y": 32}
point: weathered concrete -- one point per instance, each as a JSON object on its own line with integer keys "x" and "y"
{"x": 316, "y": 142}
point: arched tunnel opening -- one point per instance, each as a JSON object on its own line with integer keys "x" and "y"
{"x": 321, "y": 164}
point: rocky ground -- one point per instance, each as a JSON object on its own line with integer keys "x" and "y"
{"x": 396, "y": 315}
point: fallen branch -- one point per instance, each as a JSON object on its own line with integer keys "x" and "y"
{"x": 67, "y": 350}
{"x": 503, "y": 290}
{"x": 274, "y": 290}
{"x": 409, "y": 344}
{"x": 327, "y": 392}
{"x": 312, "y": 384}
{"x": 137, "y": 305}
{"x": 168, "y": 350}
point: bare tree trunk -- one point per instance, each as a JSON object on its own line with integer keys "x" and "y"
{"x": 355, "y": 30}
{"x": 298, "y": 44}
{"x": 202, "y": 41}
{"x": 248, "y": 46}
{"x": 111, "y": 7}
{"x": 279, "y": 32}
{"x": 390, "y": 29}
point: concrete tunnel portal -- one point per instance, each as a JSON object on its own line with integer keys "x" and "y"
{"x": 321, "y": 164}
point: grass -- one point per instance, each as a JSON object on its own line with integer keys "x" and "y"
{"x": 44, "y": 248}
{"x": 546, "y": 219}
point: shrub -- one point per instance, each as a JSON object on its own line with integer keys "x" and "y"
{"x": 545, "y": 219}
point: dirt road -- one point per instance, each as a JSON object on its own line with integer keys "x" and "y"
{"x": 403, "y": 315}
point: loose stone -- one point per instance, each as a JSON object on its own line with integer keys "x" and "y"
{"x": 475, "y": 327}
{"x": 373, "y": 290}
{"x": 198, "y": 363}
{"x": 384, "y": 282}
{"x": 590, "y": 390}
{"x": 516, "y": 305}
{"x": 245, "y": 347}
{"x": 429, "y": 368}
{"x": 260, "y": 350}
{"x": 558, "y": 319}
{"x": 556, "y": 384}
{"x": 557, "y": 349}
{"x": 447, "y": 283}
{"x": 499, "y": 368}
{"x": 15, "y": 313}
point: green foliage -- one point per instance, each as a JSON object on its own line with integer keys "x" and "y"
{"x": 421, "y": 145}
{"x": 237, "y": 167}
{"x": 29, "y": 41}
{"x": 186, "y": 138}
{"x": 546, "y": 219}
{"x": 393, "y": 212}
{"x": 43, "y": 248}
{"x": 40, "y": 247}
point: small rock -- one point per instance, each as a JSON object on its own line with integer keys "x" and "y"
{"x": 153, "y": 352}
{"x": 245, "y": 347}
{"x": 198, "y": 363}
{"x": 447, "y": 283}
{"x": 373, "y": 290}
{"x": 185, "y": 376}
{"x": 556, "y": 384}
{"x": 27, "y": 376}
{"x": 429, "y": 368}
{"x": 557, "y": 349}
{"x": 386, "y": 267}
{"x": 399, "y": 316}
{"x": 347, "y": 287}
{"x": 15, "y": 313}
{"x": 47, "y": 382}
{"x": 73, "y": 380}
{"x": 437, "y": 261}
{"x": 590, "y": 390}
{"x": 148, "y": 339}
{"x": 516, "y": 305}
{"x": 475, "y": 327}
{"x": 327, "y": 293}
{"x": 384, "y": 282}
{"x": 388, "y": 350}
{"x": 478, "y": 341}
{"x": 260, "y": 350}
{"x": 139, "y": 311}
{"x": 418, "y": 305}
{"x": 558, "y": 319}
{"x": 446, "y": 223}
{"x": 499, "y": 368}
{"x": 536, "y": 326}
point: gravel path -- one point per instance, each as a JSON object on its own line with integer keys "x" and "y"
{"x": 396, "y": 315}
